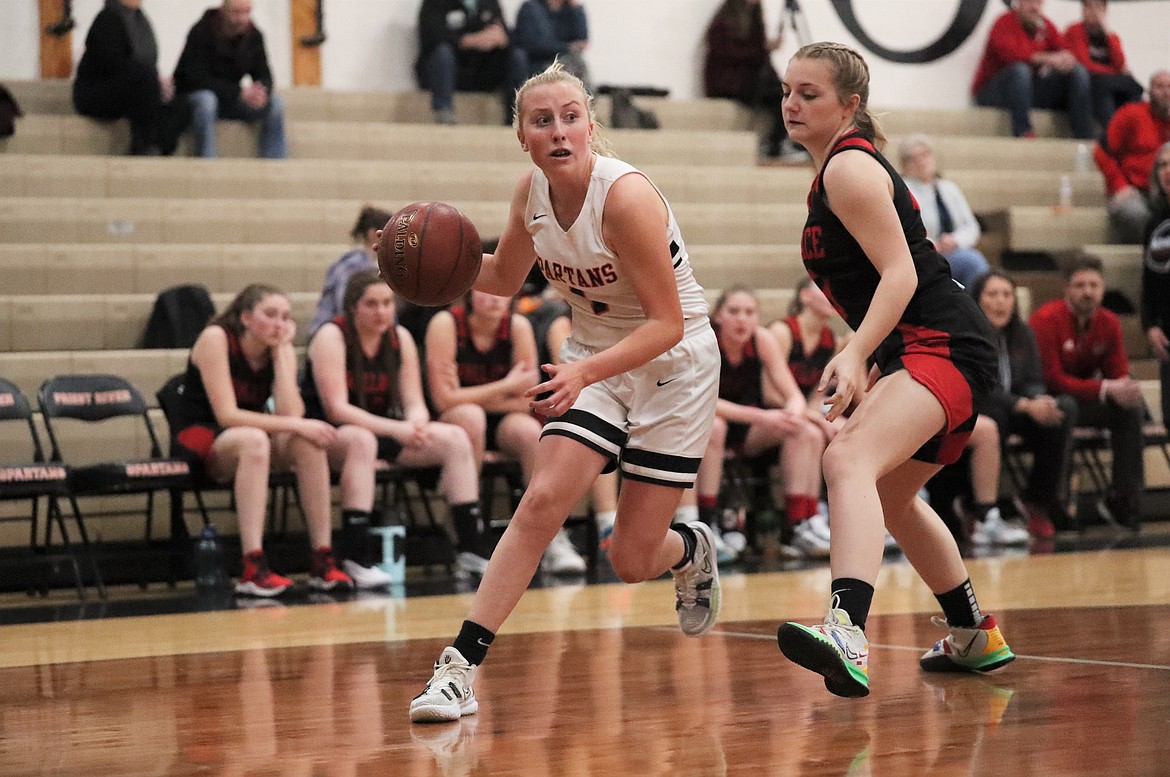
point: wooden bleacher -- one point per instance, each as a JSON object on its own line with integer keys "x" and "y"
{"x": 88, "y": 237}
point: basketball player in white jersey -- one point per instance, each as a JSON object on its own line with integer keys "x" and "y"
{"x": 636, "y": 386}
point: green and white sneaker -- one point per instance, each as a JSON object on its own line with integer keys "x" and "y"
{"x": 836, "y": 649}
{"x": 979, "y": 649}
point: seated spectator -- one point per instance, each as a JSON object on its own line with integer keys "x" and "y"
{"x": 244, "y": 357}
{"x": 360, "y": 256}
{"x": 1026, "y": 65}
{"x": 751, "y": 357}
{"x": 223, "y": 72}
{"x": 1083, "y": 356}
{"x": 553, "y": 29}
{"x": 1125, "y": 156}
{"x": 950, "y": 224}
{"x": 806, "y": 344}
{"x": 463, "y": 44}
{"x": 1017, "y": 405}
{"x": 481, "y": 358}
{"x": 738, "y": 66}
{"x": 1099, "y": 49}
{"x": 118, "y": 78}
{"x": 1156, "y": 273}
{"x": 364, "y": 371}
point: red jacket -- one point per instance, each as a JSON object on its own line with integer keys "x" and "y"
{"x": 1076, "y": 38}
{"x": 1009, "y": 43}
{"x": 1075, "y": 362}
{"x": 1133, "y": 138}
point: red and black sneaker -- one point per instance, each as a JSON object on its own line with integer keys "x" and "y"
{"x": 258, "y": 579}
{"x": 323, "y": 572}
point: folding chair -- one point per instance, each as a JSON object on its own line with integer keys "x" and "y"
{"x": 279, "y": 483}
{"x": 38, "y": 478}
{"x": 73, "y": 406}
{"x": 1089, "y": 443}
{"x": 502, "y": 472}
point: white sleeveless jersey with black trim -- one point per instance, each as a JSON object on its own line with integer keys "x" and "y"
{"x": 587, "y": 272}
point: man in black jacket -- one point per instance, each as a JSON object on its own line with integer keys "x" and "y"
{"x": 223, "y": 71}
{"x": 118, "y": 78}
{"x": 464, "y": 44}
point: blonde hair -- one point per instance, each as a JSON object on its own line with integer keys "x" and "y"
{"x": 557, "y": 74}
{"x": 850, "y": 77}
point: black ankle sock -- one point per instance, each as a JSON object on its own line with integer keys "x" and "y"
{"x": 960, "y": 607}
{"x": 981, "y": 510}
{"x": 709, "y": 515}
{"x": 473, "y": 642}
{"x": 468, "y": 532}
{"x": 854, "y": 597}
{"x": 355, "y": 541}
{"x": 689, "y": 541}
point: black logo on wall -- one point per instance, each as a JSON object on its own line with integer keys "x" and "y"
{"x": 967, "y": 17}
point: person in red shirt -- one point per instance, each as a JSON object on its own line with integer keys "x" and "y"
{"x": 1125, "y": 156}
{"x": 1083, "y": 356}
{"x": 1099, "y": 49}
{"x": 1026, "y": 64}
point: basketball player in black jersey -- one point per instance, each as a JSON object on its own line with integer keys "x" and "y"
{"x": 906, "y": 380}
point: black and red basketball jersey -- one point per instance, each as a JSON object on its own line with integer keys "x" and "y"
{"x": 478, "y": 367}
{"x": 741, "y": 383}
{"x": 941, "y": 318}
{"x": 379, "y": 376}
{"x": 251, "y": 387}
{"x": 807, "y": 367}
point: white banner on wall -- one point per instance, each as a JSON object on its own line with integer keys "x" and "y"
{"x": 922, "y": 53}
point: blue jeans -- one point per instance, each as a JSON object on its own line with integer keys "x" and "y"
{"x": 967, "y": 264}
{"x": 206, "y": 109}
{"x": 1017, "y": 89}
{"x": 446, "y": 68}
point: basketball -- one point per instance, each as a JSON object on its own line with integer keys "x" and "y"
{"x": 429, "y": 253}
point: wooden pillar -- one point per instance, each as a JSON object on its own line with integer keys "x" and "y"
{"x": 56, "y": 50}
{"x": 306, "y": 58}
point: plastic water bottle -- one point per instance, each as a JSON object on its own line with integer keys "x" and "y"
{"x": 1065, "y": 196}
{"x": 1084, "y": 158}
{"x": 210, "y": 569}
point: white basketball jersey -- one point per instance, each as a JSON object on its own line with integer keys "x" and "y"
{"x": 588, "y": 274}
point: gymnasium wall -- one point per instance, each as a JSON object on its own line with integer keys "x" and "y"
{"x": 371, "y": 43}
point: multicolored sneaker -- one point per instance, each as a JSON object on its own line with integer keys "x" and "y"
{"x": 836, "y": 649}
{"x": 258, "y": 579}
{"x": 448, "y": 696}
{"x": 696, "y": 586}
{"x": 979, "y": 649}
{"x": 323, "y": 572}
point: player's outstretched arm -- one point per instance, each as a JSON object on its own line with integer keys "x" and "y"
{"x": 503, "y": 272}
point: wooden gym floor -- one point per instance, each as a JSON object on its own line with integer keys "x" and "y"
{"x": 596, "y": 680}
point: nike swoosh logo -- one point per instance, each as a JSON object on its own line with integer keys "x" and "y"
{"x": 664, "y": 382}
{"x": 539, "y": 216}
{"x": 966, "y": 650}
{"x": 480, "y": 641}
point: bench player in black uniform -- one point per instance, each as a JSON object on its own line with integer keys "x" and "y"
{"x": 920, "y": 354}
